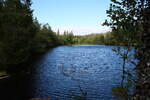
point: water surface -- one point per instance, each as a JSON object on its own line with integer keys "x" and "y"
{"x": 85, "y": 70}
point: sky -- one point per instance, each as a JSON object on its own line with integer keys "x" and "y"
{"x": 80, "y": 16}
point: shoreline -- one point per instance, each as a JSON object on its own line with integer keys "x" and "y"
{"x": 4, "y": 77}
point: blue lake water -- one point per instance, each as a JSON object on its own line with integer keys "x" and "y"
{"x": 82, "y": 70}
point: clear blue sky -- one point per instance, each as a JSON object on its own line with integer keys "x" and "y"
{"x": 80, "y": 16}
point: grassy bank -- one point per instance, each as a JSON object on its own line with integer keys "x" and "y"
{"x": 3, "y": 73}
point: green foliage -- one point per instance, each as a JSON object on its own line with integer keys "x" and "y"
{"x": 45, "y": 38}
{"x": 21, "y": 37}
{"x": 67, "y": 38}
{"x": 16, "y": 33}
{"x": 126, "y": 25}
{"x": 108, "y": 38}
{"x": 125, "y": 20}
{"x": 90, "y": 39}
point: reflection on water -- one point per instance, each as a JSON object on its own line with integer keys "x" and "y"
{"x": 69, "y": 71}
{"x": 65, "y": 72}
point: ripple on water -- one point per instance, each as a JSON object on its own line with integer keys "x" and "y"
{"x": 67, "y": 71}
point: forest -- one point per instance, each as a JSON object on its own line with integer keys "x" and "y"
{"x": 23, "y": 38}
{"x": 108, "y": 38}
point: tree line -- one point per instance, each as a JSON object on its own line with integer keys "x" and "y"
{"x": 108, "y": 38}
{"x": 21, "y": 36}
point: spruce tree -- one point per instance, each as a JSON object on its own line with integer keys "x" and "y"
{"x": 17, "y": 34}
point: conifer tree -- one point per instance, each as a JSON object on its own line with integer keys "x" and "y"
{"x": 17, "y": 34}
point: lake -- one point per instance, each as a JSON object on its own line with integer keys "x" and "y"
{"x": 66, "y": 72}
